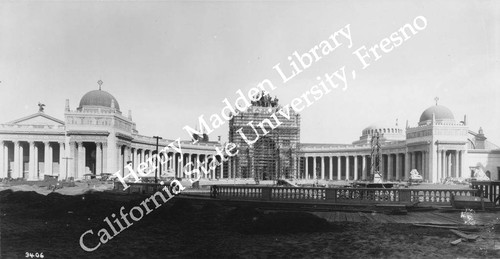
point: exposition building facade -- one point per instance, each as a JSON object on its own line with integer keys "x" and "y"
{"x": 438, "y": 147}
{"x": 96, "y": 138}
{"x": 93, "y": 139}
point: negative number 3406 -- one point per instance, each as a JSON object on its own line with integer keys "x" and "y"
{"x": 34, "y": 255}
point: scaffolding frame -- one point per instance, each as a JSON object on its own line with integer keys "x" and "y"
{"x": 275, "y": 155}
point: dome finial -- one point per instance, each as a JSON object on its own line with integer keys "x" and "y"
{"x": 99, "y": 83}
{"x": 436, "y": 99}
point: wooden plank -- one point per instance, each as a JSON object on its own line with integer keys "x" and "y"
{"x": 456, "y": 242}
{"x": 463, "y": 235}
{"x": 434, "y": 226}
{"x": 438, "y": 218}
{"x": 376, "y": 217}
{"x": 399, "y": 218}
{"x": 426, "y": 217}
{"x": 415, "y": 218}
{"x": 388, "y": 218}
{"x": 407, "y": 219}
{"x": 419, "y": 217}
{"x": 455, "y": 219}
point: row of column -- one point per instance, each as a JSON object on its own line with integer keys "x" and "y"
{"x": 450, "y": 163}
{"x": 79, "y": 166}
{"x": 319, "y": 171}
{"x": 418, "y": 160}
{"x": 173, "y": 162}
{"x": 358, "y": 167}
{"x": 76, "y": 163}
{"x": 13, "y": 166}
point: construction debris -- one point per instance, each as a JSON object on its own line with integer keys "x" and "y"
{"x": 434, "y": 226}
{"x": 456, "y": 242}
{"x": 463, "y": 235}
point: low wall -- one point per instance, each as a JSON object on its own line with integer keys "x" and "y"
{"x": 489, "y": 189}
{"x": 339, "y": 195}
{"x": 140, "y": 188}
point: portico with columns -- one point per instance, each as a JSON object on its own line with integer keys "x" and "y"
{"x": 31, "y": 147}
{"x": 437, "y": 148}
{"x": 94, "y": 139}
{"x": 350, "y": 165}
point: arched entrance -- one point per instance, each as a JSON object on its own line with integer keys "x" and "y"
{"x": 265, "y": 159}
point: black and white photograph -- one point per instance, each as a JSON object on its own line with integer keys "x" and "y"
{"x": 250, "y": 129}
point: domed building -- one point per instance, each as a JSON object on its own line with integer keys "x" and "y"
{"x": 99, "y": 99}
{"x": 93, "y": 140}
{"x": 437, "y": 113}
{"x": 387, "y": 133}
{"x": 438, "y": 147}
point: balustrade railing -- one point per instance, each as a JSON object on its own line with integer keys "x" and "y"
{"x": 439, "y": 196}
{"x": 338, "y": 195}
{"x": 140, "y": 188}
{"x": 238, "y": 192}
{"x": 490, "y": 190}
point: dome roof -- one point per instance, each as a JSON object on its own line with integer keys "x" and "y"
{"x": 99, "y": 98}
{"x": 382, "y": 127}
{"x": 379, "y": 125}
{"x": 440, "y": 112}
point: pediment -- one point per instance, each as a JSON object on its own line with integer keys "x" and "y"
{"x": 39, "y": 118}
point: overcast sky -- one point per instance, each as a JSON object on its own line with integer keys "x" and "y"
{"x": 170, "y": 62}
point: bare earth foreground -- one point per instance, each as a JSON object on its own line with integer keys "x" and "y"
{"x": 52, "y": 224}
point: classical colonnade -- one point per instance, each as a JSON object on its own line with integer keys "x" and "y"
{"x": 451, "y": 163}
{"x": 27, "y": 159}
{"x": 31, "y": 159}
{"x": 393, "y": 166}
{"x": 173, "y": 162}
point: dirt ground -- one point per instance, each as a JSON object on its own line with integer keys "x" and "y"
{"x": 52, "y": 224}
